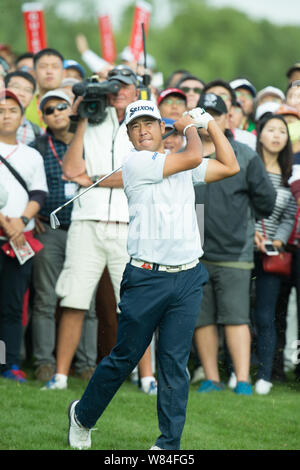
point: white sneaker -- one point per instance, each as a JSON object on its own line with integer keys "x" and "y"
{"x": 156, "y": 448}
{"x": 150, "y": 388}
{"x": 56, "y": 383}
{"x": 198, "y": 375}
{"x": 232, "y": 380}
{"x": 263, "y": 387}
{"x": 79, "y": 437}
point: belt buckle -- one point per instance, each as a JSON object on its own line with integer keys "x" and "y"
{"x": 173, "y": 268}
{"x": 146, "y": 266}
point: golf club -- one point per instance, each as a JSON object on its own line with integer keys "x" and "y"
{"x": 54, "y": 222}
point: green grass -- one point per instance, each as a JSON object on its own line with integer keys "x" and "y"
{"x": 32, "y": 419}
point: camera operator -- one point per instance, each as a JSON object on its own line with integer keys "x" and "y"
{"x": 97, "y": 236}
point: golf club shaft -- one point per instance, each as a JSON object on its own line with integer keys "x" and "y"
{"x": 88, "y": 188}
{"x": 169, "y": 133}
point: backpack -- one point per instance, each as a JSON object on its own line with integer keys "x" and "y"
{"x": 40, "y": 144}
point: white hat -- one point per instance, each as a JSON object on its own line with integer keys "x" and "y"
{"x": 141, "y": 108}
{"x": 243, "y": 83}
{"x": 270, "y": 90}
{"x": 268, "y": 107}
{"x": 58, "y": 93}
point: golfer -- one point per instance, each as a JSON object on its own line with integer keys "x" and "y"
{"x": 162, "y": 284}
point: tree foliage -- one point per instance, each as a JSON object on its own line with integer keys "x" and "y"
{"x": 209, "y": 42}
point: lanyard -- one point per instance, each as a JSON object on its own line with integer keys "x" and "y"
{"x": 10, "y": 154}
{"x": 24, "y": 135}
{"x": 54, "y": 150}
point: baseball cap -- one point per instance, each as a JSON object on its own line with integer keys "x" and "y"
{"x": 294, "y": 67}
{"x": 170, "y": 91}
{"x": 72, "y": 64}
{"x": 124, "y": 74}
{"x": 212, "y": 101}
{"x": 5, "y": 93}
{"x": 58, "y": 93}
{"x": 270, "y": 90}
{"x": 284, "y": 109}
{"x": 141, "y": 108}
{"x": 243, "y": 83}
{"x": 169, "y": 123}
{"x": 268, "y": 107}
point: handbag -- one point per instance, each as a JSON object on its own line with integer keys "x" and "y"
{"x": 280, "y": 264}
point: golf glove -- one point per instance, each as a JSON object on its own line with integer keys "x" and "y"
{"x": 200, "y": 117}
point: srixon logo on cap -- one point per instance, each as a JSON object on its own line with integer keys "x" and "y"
{"x": 140, "y": 108}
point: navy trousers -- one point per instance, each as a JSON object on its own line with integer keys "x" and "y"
{"x": 267, "y": 290}
{"x": 151, "y": 300}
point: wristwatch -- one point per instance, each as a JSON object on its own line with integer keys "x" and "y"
{"x": 25, "y": 220}
{"x": 94, "y": 178}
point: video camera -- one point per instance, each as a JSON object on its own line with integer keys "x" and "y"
{"x": 94, "y": 95}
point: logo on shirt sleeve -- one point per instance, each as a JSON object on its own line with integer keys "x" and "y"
{"x": 154, "y": 155}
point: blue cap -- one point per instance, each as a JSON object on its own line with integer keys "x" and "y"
{"x": 72, "y": 64}
{"x": 169, "y": 123}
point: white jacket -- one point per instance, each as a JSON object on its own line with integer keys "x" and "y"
{"x": 105, "y": 146}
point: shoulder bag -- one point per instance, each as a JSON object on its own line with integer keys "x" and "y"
{"x": 280, "y": 264}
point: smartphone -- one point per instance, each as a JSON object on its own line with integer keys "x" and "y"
{"x": 270, "y": 249}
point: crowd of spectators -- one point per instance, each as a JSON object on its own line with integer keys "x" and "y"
{"x": 49, "y": 298}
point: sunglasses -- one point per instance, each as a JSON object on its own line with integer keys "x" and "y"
{"x": 187, "y": 89}
{"x": 174, "y": 101}
{"x": 124, "y": 72}
{"x": 59, "y": 107}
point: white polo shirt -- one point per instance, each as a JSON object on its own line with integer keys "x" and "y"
{"x": 105, "y": 146}
{"x": 163, "y": 225}
{"x": 30, "y": 165}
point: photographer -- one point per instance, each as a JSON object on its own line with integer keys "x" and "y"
{"x": 99, "y": 225}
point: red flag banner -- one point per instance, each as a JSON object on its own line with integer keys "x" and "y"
{"x": 107, "y": 38}
{"x": 142, "y": 14}
{"x": 35, "y": 28}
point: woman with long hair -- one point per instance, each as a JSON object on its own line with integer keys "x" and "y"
{"x": 274, "y": 147}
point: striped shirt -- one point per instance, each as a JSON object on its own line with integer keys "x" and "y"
{"x": 280, "y": 223}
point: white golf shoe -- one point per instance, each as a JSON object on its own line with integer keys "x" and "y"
{"x": 79, "y": 437}
{"x": 263, "y": 387}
